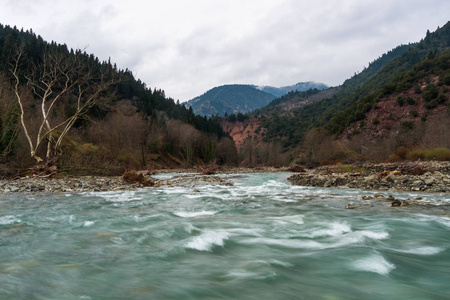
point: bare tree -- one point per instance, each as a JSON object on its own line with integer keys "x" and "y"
{"x": 57, "y": 77}
{"x": 8, "y": 119}
{"x": 185, "y": 138}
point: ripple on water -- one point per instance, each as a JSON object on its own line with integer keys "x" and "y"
{"x": 8, "y": 220}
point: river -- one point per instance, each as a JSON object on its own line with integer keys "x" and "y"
{"x": 261, "y": 238}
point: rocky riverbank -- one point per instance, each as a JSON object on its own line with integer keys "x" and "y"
{"x": 422, "y": 176}
{"x": 412, "y": 176}
{"x": 67, "y": 184}
{"x": 97, "y": 184}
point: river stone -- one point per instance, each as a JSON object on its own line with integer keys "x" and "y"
{"x": 14, "y": 189}
{"x": 370, "y": 178}
{"x": 429, "y": 181}
{"x": 390, "y": 178}
{"x": 396, "y": 203}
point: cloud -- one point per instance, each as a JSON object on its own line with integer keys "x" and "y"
{"x": 188, "y": 47}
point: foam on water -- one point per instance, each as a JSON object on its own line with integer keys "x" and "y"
{"x": 8, "y": 220}
{"x": 233, "y": 242}
{"x": 207, "y": 240}
{"x": 358, "y": 237}
{"x": 285, "y": 243}
{"x": 296, "y": 219}
{"x": 275, "y": 184}
{"x": 194, "y": 214}
{"x": 245, "y": 231}
{"x": 374, "y": 263}
{"x": 335, "y": 229}
{"x": 88, "y": 223}
{"x": 440, "y": 219}
{"x": 122, "y": 196}
{"x": 374, "y": 235}
{"x": 422, "y": 250}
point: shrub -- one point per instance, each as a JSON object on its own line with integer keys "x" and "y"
{"x": 400, "y": 100}
{"x": 414, "y": 113}
{"x": 407, "y": 125}
{"x": 430, "y": 92}
{"x": 437, "y": 154}
{"x": 346, "y": 168}
{"x": 431, "y": 104}
{"x": 347, "y": 155}
{"x": 356, "y": 132}
{"x": 398, "y": 155}
{"x": 88, "y": 148}
{"x": 416, "y": 155}
{"x": 444, "y": 79}
{"x": 393, "y": 158}
{"x": 441, "y": 154}
{"x": 376, "y": 121}
{"x": 401, "y": 152}
{"x": 410, "y": 101}
{"x": 441, "y": 99}
{"x": 417, "y": 89}
{"x": 444, "y": 156}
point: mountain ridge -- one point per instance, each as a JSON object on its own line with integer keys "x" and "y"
{"x": 241, "y": 98}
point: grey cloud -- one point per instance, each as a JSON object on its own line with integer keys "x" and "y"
{"x": 186, "y": 48}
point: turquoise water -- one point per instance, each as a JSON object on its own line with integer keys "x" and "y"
{"x": 259, "y": 239}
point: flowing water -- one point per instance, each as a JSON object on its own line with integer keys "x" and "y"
{"x": 259, "y": 239}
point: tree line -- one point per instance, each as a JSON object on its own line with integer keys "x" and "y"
{"x": 53, "y": 99}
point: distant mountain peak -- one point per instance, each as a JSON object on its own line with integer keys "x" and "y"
{"x": 242, "y": 98}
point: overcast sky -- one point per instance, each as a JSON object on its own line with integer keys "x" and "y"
{"x": 186, "y": 47}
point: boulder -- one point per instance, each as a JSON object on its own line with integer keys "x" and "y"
{"x": 396, "y": 202}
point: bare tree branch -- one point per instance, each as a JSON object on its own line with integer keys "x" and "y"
{"x": 56, "y": 78}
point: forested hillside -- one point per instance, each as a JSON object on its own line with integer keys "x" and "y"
{"x": 83, "y": 112}
{"x": 229, "y": 99}
{"x": 300, "y": 87}
{"x": 399, "y": 100}
{"x": 413, "y": 115}
{"x": 291, "y": 127}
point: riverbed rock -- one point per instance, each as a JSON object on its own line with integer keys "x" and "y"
{"x": 423, "y": 176}
{"x": 396, "y": 202}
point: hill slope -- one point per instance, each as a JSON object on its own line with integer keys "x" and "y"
{"x": 291, "y": 126}
{"x": 134, "y": 126}
{"x": 229, "y": 99}
{"x": 301, "y": 86}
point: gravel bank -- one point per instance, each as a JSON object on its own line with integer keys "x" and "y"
{"x": 97, "y": 184}
{"x": 422, "y": 176}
